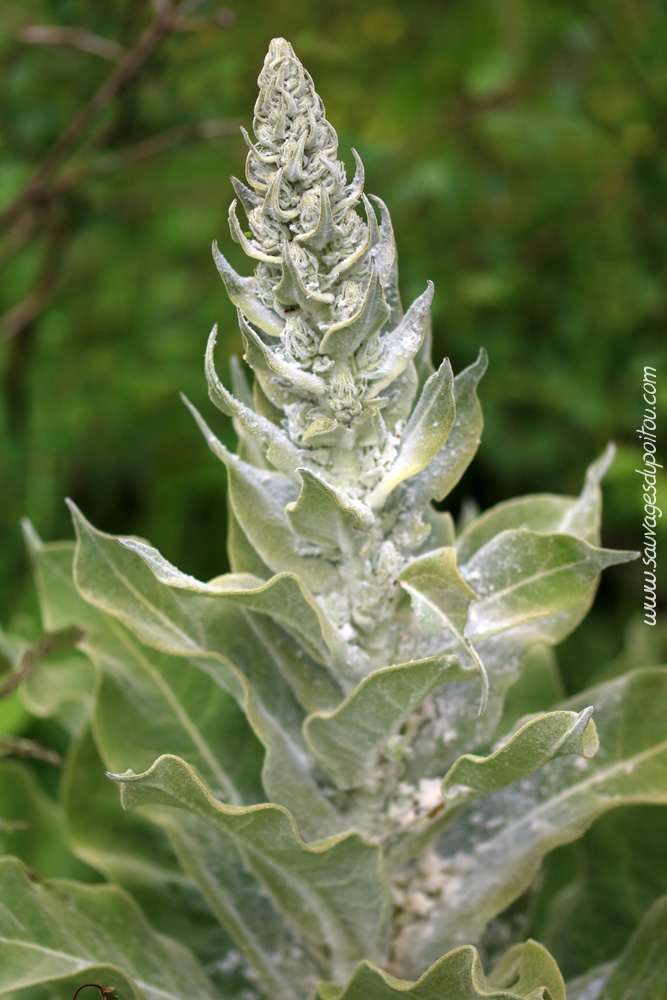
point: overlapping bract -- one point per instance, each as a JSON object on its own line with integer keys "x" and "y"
{"x": 341, "y": 648}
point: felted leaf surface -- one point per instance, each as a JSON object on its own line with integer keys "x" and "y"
{"x": 149, "y": 703}
{"x": 323, "y": 514}
{"x": 640, "y": 973}
{"x": 250, "y": 669}
{"x": 424, "y": 434}
{"x": 400, "y": 346}
{"x": 348, "y": 740}
{"x": 446, "y": 468}
{"x": 594, "y": 893}
{"x": 546, "y": 513}
{"x": 522, "y": 576}
{"x": 342, "y": 339}
{"x": 178, "y": 614}
{"x": 272, "y": 441}
{"x": 537, "y": 742}
{"x": 442, "y": 599}
{"x": 136, "y": 854}
{"x": 53, "y": 930}
{"x": 259, "y": 498}
{"x": 530, "y": 969}
{"x": 332, "y": 892}
{"x": 492, "y": 851}
{"x": 243, "y": 293}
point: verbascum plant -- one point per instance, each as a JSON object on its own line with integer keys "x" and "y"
{"x": 327, "y": 795}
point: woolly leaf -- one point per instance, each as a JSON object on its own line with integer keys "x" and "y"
{"x": 425, "y": 433}
{"x": 531, "y": 747}
{"x": 54, "y": 930}
{"x": 529, "y": 970}
{"x": 347, "y": 741}
{"x": 331, "y": 892}
{"x": 491, "y": 853}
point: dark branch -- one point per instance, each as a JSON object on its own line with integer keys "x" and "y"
{"x": 164, "y": 21}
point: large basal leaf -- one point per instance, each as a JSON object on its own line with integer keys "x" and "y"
{"x": 147, "y": 703}
{"x": 640, "y": 973}
{"x": 491, "y": 853}
{"x": 348, "y": 740}
{"x": 136, "y": 854}
{"x": 258, "y": 655}
{"x": 332, "y": 892}
{"x": 528, "y": 972}
{"x": 53, "y": 930}
{"x": 134, "y": 583}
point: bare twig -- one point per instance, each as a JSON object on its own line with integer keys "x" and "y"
{"x": 55, "y": 34}
{"x": 30, "y": 307}
{"x": 51, "y": 642}
{"x": 16, "y": 746}
{"x": 106, "y": 992}
{"x": 162, "y": 141}
{"x": 164, "y": 21}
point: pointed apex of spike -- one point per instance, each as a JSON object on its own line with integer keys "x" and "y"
{"x": 279, "y": 48}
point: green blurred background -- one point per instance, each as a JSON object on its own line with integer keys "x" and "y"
{"x": 521, "y": 150}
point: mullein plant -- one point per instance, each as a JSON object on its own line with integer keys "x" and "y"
{"x": 325, "y": 796}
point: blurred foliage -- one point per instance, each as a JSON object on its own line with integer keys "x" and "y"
{"x": 521, "y": 149}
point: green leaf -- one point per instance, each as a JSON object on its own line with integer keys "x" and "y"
{"x": 132, "y": 581}
{"x": 441, "y": 599}
{"x": 291, "y": 290}
{"x": 261, "y": 357}
{"x": 492, "y": 851}
{"x": 197, "y": 621}
{"x": 323, "y": 514}
{"x": 242, "y": 557}
{"x": 243, "y": 293}
{"x": 530, "y": 971}
{"x": 31, "y": 825}
{"x": 446, "y": 468}
{"x": 259, "y": 498}
{"x": 58, "y": 929}
{"x": 386, "y": 257}
{"x": 526, "y": 968}
{"x": 275, "y": 444}
{"x": 149, "y": 704}
{"x": 399, "y": 346}
{"x": 542, "y": 512}
{"x": 342, "y": 339}
{"x": 325, "y": 230}
{"x": 134, "y": 853}
{"x": 56, "y": 683}
{"x": 424, "y": 434}
{"x": 523, "y": 576}
{"x": 531, "y": 747}
{"x": 331, "y": 892}
{"x": 593, "y": 893}
{"x": 640, "y": 973}
{"x": 348, "y": 741}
